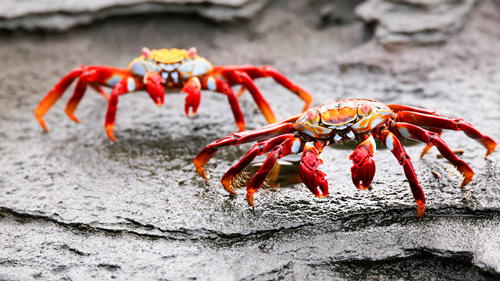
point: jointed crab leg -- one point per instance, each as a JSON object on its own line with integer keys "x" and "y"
{"x": 456, "y": 124}
{"x": 410, "y": 131}
{"x": 288, "y": 146}
{"x": 256, "y": 150}
{"x": 223, "y": 87}
{"x": 397, "y": 108}
{"x": 266, "y": 132}
{"x": 90, "y": 75}
{"x": 394, "y": 145}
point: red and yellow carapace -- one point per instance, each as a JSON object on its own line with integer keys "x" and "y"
{"x": 157, "y": 71}
{"x": 339, "y": 121}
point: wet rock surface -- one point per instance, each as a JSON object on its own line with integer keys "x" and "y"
{"x": 60, "y": 15}
{"x": 75, "y": 206}
{"x": 415, "y": 21}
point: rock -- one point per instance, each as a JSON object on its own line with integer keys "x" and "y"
{"x": 415, "y": 21}
{"x": 60, "y": 15}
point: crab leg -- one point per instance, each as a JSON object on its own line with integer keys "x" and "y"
{"x": 456, "y": 124}
{"x": 397, "y": 108}
{"x": 288, "y": 146}
{"x": 271, "y": 130}
{"x": 256, "y": 150}
{"x": 393, "y": 144}
{"x": 54, "y": 94}
{"x": 267, "y": 71}
{"x": 222, "y": 86}
{"x": 363, "y": 169}
{"x": 92, "y": 74}
{"x": 410, "y": 131}
{"x": 257, "y": 96}
{"x": 80, "y": 87}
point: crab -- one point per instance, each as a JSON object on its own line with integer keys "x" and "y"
{"x": 158, "y": 71}
{"x": 339, "y": 121}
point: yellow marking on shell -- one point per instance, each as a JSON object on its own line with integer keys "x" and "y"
{"x": 339, "y": 116}
{"x": 170, "y": 55}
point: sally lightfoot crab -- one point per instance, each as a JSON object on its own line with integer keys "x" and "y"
{"x": 157, "y": 71}
{"x": 339, "y": 121}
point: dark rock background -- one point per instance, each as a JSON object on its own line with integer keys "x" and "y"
{"x": 74, "y": 206}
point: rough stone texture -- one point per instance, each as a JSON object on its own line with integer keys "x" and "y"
{"x": 415, "y": 21}
{"x": 75, "y": 206}
{"x": 61, "y": 15}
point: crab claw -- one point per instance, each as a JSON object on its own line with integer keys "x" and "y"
{"x": 193, "y": 90}
{"x": 363, "y": 169}
{"x": 154, "y": 87}
{"x": 313, "y": 178}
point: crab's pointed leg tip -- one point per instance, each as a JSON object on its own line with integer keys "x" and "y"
{"x": 420, "y": 210}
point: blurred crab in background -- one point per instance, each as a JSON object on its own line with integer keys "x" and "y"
{"x": 157, "y": 71}
{"x": 336, "y": 122}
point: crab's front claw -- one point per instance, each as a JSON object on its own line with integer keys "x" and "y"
{"x": 154, "y": 87}
{"x": 363, "y": 169}
{"x": 193, "y": 90}
{"x": 313, "y": 178}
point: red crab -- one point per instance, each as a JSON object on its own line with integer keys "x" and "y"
{"x": 157, "y": 71}
{"x": 345, "y": 120}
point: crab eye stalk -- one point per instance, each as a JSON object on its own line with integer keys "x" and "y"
{"x": 192, "y": 52}
{"x": 147, "y": 53}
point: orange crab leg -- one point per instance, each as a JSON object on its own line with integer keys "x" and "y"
{"x": 288, "y": 146}
{"x": 410, "y": 131}
{"x": 54, "y": 94}
{"x": 257, "y": 96}
{"x": 363, "y": 169}
{"x": 271, "y": 130}
{"x": 81, "y": 86}
{"x": 256, "y": 150}
{"x": 456, "y": 124}
{"x": 124, "y": 86}
{"x": 267, "y": 71}
{"x": 103, "y": 75}
{"x": 394, "y": 145}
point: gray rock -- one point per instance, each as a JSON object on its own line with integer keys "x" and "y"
{"x": 58, "y": 15}
{"x": 415, "y": 21}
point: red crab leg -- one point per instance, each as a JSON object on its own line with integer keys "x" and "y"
{"x": 363, "y": 169}
{"x": 94, "y": 74}
{"x": 192, "y": 88}
{"x": 456, "y": 124}
{"x": 223, "y": 87}
{"x": 410, "y": 131}
{"x": 269, "y": 131}
{"x": 54, "y": 94}
{"x": 267, "y": 71}
{"x": 314, "y": 179}
{"x": 256, "y": 150}
{"x": 257, "y": 96}
{"x": 393, "y": 144}
{"x": 100, "y": 90}
{"x": 80, "y": 87}
{"x": 288, "y": 146}
{"x": 122, "y": 87}
{"x": 397, "y": 108}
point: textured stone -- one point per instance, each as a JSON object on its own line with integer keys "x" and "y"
{"x": 415, "y": 21}
{"x": 59, "y": 15}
